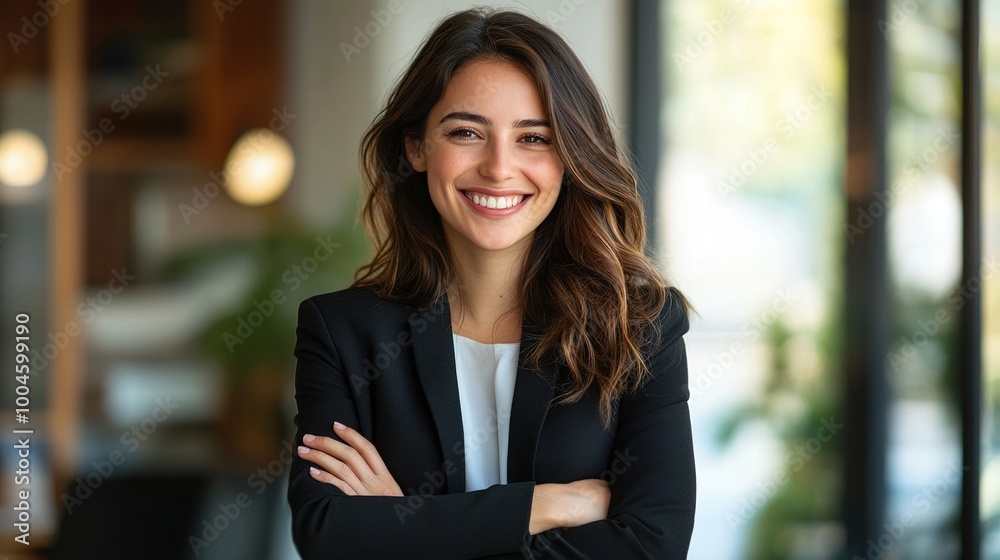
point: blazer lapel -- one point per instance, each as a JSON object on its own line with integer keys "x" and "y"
{"x": 434, "y": 352}
{"x": 532, "y": 395}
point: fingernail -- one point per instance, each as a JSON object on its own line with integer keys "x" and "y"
{"x": 313, "y": 471}
{"x": 303, "y": 449}
{"x": 308, "y": 437}
{"x": 338, "y": 426}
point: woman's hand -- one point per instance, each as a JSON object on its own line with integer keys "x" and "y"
{"x": 354, "y": 466}
{"x": 569, "y": 505}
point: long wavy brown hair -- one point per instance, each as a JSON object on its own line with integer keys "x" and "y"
{"x": 587, "y": 286}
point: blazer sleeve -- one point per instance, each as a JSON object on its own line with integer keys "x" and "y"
{"x": 652, "y": 474}
{"x": 326, "y": 523}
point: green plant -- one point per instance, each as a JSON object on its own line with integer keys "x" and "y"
{"x": 287, "y": 264}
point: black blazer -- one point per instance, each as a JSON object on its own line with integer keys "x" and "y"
{"x": 388, "y": 370}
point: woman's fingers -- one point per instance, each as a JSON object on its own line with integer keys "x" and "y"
{"x": 354, "y": 461}
{"x": 331, "y": 467}
{"x": 377, "y": 479}
{"x": 340, "y": 451}
{"x": 323, "y": 476}
{"x": 363, "y": 446}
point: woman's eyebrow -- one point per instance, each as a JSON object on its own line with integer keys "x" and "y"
{"x": 530, "y": 123}
{"x": 466, "y": 116}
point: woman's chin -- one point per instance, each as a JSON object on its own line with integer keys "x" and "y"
{"x": 492, "y": 245}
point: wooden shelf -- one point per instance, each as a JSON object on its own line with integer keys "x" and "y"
{"x": 132, "y": 155}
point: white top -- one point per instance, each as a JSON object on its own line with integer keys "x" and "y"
{"x": 486, "y": 374}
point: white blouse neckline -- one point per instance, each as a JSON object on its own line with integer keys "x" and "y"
{"x": 487, "y": 343}
{"x": 486, "y": 378}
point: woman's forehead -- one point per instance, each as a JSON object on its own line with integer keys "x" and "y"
{"x": 497, "y": 90}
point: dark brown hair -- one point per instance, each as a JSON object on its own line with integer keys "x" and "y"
{"x": 587, "y": 285}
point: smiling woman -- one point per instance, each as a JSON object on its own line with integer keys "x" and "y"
{"x": 507, "y": 376}
{"x": 493, "y": 174}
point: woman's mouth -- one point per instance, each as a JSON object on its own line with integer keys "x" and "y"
{"x": 497, "y": 202}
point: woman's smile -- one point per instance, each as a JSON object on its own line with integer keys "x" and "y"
{"x": 495, "y": 205}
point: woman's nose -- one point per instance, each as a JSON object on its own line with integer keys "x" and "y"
{"x": 498, "y": 162}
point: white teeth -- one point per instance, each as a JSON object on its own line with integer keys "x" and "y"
{"x": 493, "y": 201}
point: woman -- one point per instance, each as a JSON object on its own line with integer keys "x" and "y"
{"x": 506, "y": 378}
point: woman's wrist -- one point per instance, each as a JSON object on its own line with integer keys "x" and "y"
{"x": 568, "y": 505}
{"x": 543, "y": 508}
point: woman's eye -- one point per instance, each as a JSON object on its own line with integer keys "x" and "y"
{"x": 463, "y": 134}
{"x": 535, "y": 139}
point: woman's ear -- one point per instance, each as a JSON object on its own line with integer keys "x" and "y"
{"x": 415, "y": 154}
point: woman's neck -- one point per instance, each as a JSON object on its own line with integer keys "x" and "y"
{"x": 487, "y": 286}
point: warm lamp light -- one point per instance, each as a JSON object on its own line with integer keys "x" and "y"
{"x": 259, "y": 167}
{"x": 22, "y": 158}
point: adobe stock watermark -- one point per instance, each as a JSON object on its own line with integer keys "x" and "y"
{"x": 229, "y": 512}
{"x": 30, "y": 26}
{"x": 293, "y": 278}
{"x": 224, "y": 7}
{"x": 561, "y": 15}
{"x": 87, "y": 311}
{"x": 914, "y": 168}
{"x": 416, "y": 498}
{"x": 788, "y": 125}
{"x": 795, "y": 460}
{"x": 753, "y": 329}
{"x": 901, "y": 14}
{"x": 966, "y": 290}
{"x": 921, "y": 503}
{"x": 927, "y": 329}
{"x": 391, "y": 350}
{"x": 541, "y": 543}
{"x": 434, "y": 480}
{"x": 122, "y": 107}
{"x": 131, "y": 439}
{"x": 202, "y": 197}
{"x": 707, "y": 33}
{"x": 364, "y": 34}
{"x": 622, "y": 462}
{"x": 404, "y": 170}
{"x": 2, "y": 237}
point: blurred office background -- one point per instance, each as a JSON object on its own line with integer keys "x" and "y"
{"x": 815, "y": 181}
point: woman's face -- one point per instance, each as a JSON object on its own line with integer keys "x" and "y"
{"x": 492, "y": 171}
